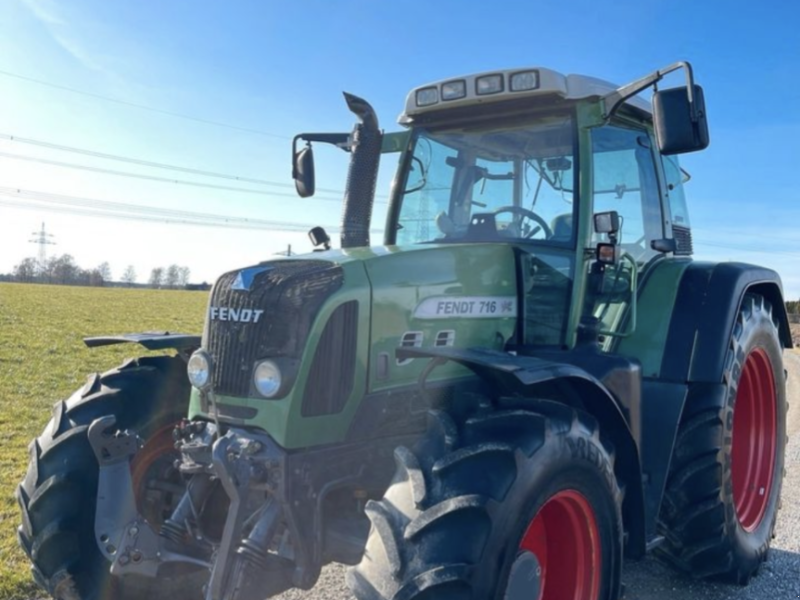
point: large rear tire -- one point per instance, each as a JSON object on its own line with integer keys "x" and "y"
{"x": 723, "y": 492}
{"x": 58, "y": 495}
{"x": 507, "y": 504}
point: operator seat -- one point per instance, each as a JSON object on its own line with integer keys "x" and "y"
{"x": 562, "y": 228}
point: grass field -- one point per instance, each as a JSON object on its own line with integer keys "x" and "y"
{"x": 43, "y": 359}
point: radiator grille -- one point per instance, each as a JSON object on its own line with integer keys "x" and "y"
{"x": 683, "y": 240}
{"x": 330, "y": 381}
{"x": 290, "y": 294}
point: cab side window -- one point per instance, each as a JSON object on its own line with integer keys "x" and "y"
{"x": 624, "y": 180}
{"x": 677, "y": 201}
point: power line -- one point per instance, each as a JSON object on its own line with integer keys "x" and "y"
{"x": 90, "y": 212}
{"x": 79, "y": 206}
{"x": 154, "y": 164}
{"x": 122, "y": 207}
{"x": 153, "y": 177}
{"x": 141, "y": 162}
{"x": 142, "y": 106}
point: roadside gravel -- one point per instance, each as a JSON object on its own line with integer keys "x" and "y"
{"x": 650, "y": 579}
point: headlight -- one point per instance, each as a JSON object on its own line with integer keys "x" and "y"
{"x": 199, "y": 369}
{"x": 453, "y": 90}
{"x": 488, "y": 84}
{"x": 427, "y": 96}
{"x": 524, "y": 80}
{"x": 267, "y": 378}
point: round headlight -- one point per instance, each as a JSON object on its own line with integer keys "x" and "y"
{"x": 267, "y": 378}
{"x": 199, "y": 369}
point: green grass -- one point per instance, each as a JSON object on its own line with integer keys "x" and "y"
{"x": 43, "y": 359}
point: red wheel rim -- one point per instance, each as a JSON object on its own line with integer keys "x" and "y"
{"x": 566, "y": 542}
{"x": 754, "y": 439}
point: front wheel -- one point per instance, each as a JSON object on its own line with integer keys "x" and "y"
{"x": 510, "y": 504}
{"x": 59, "y": 493}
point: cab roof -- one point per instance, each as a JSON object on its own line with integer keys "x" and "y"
{"x": 469, "y": 90}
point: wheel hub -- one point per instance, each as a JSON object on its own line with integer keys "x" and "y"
{"x": 564, "y": 541}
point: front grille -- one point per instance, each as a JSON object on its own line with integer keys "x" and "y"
{"x": 330, "y": 381}
{"x": 683, "y": 240}
{"x": 290, "y": 292}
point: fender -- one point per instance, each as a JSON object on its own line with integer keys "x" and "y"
{"x": 709, "y": 298}
{"x": 152, "y": 340}
{"x": 530, "y": 376}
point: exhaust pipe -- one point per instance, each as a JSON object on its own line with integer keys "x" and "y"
{"x": 362, "y": 174}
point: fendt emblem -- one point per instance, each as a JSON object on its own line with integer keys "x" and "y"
{"x": 244, "y": 279}
{"x": 240, "y": 315}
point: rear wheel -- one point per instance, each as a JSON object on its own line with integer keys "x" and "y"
{"x": 722, "y": 497}
{"x": 58, "y": 495}
{"x": 510, "y": 504}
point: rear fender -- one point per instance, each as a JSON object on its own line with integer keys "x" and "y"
{"x": 709, "y": 298}
{"x": 528, "y": 377}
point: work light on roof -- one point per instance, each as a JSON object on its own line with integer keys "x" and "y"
{"x": 489, "y": 84}
{"x": 427, "y": 96}
{"x": 524, "y": 80}
{"x": 453, "y": 90}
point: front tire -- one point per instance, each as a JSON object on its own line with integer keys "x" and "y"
{"x": 58, "y": 495}
{"x": 723, "y": 492}
{"x": 505, "y": 505}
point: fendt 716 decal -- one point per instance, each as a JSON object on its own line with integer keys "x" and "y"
{"x": 458, "y": 307}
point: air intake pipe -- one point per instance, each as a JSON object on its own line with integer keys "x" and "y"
{"x": 362, "y": 174}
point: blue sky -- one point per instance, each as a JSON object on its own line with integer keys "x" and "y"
{"x": 280, "y": 68}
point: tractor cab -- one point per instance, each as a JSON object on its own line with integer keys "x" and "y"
{"x": 577, "y": 174}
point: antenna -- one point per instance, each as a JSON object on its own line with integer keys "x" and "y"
{"x": 42, "y": 238}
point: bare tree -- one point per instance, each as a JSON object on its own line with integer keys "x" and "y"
{"x": 129, "y": 276}
{"x": 27, "y": 270}
{"x": 171, "y": 276}
{"x": 183, "y": 276}
{"x": 64, "y": 270}
{"x": 156, "y": 277}
{"x": 105, "y": 271}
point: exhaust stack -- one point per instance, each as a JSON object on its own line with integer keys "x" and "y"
{"x": 362, "y": 174}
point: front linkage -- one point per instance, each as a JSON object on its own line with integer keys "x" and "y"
{"x": 280, "y": 522}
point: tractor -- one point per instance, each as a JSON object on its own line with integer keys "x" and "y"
{"x": 527, "y": 382}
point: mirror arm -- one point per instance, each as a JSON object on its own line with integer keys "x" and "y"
{"x": 612, "y": 101}
{"x": 341, "y": 140}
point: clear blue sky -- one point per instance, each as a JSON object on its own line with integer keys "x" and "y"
{"x": 280, "y": 68}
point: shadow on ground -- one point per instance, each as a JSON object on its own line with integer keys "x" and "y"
{"x": 651, "y": 579}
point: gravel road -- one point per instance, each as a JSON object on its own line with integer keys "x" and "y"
{"x": 649, "y": 579}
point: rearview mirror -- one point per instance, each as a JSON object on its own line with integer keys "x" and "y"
{"x": 303, "y": 172}
{"x": 680, "y": 121}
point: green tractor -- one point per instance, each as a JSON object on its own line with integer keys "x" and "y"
{"x": 529, "y": 380}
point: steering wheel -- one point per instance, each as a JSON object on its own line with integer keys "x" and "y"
{"x": 524, "y": 212}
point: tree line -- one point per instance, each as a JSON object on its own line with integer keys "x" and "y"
{"x": 63, "y": 270}
{"x": 171, "y": 277}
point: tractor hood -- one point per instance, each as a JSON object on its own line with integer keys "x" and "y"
{"x": 333, "y": 321}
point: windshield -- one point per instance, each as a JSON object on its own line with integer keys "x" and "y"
{"x": 490, "y": 184}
